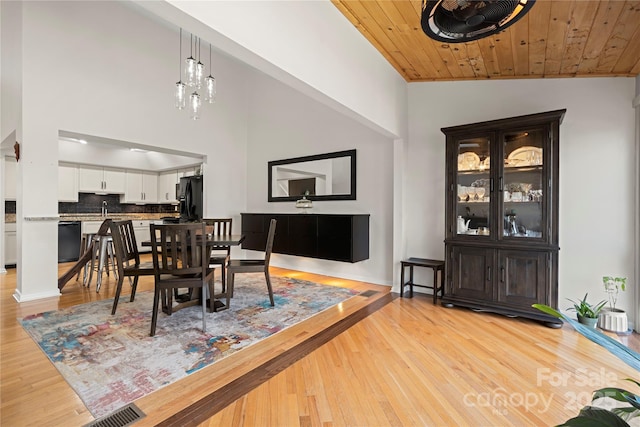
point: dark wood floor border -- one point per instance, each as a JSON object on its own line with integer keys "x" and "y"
{"x": 208, "y": 406}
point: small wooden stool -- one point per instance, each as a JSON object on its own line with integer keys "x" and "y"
{"x": 435, "y": 265}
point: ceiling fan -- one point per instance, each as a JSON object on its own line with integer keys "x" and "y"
{"x": 458, "y": 21}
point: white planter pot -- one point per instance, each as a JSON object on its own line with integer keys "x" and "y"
{"x": 613, "y": 320}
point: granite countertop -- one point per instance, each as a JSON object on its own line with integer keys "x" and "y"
{"x": 8, "y": 218}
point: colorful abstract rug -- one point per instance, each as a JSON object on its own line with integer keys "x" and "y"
{"x": 111, "y": 361}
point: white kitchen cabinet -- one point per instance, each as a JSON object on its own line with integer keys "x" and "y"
{"x": 67, "y": 183}
{"x": 94, "y": 179}
{"x": 10, "y": 244}
{"x": 10, "y": 173}
{"x": 143, "y": 233}
{"x": 167, "y": 187}
{"x": 141, "y": 187}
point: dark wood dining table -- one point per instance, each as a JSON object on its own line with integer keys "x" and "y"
{"x": 213, "y": 241}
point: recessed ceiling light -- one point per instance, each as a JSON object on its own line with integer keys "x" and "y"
{"x": 77, "y": 140}
{"x": 138, "y": 150}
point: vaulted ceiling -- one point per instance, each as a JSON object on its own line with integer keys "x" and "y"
{"x": 557, "y": 38}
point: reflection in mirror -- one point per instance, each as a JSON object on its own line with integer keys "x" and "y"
{"x": 330, "y": 176}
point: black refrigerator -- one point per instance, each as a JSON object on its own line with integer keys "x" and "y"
{"x": 190, "y": 198}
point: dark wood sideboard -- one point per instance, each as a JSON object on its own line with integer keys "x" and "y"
{"x": 325, "y": 236}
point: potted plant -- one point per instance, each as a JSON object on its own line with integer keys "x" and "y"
{"x": 622, "y": 407}
{"x": 624, "y": 411}
{"x": 587, "y": 313}
{"x": 612, "y": 318}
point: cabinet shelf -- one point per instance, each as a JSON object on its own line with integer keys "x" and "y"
{"x": 507, "y": 169}
{"x": 513, "y": 169}
{"x": 475, "y": 172}
{"x": 524, "y": 202}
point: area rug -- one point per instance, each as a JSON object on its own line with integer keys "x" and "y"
{"x": 111, "y": 361}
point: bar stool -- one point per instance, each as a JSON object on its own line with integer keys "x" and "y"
{"x": 103, "y": 252}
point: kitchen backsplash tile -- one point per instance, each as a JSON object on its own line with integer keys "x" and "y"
{"x": 92, "y": 203}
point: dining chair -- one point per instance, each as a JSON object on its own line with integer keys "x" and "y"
{"x": 127, "y": 258}
{"x": 253, "y": 265}
{"x": 178, "y": 262}
{"x": 220, "y": 255}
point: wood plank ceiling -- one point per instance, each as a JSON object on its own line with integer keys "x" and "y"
{"x": 557, "y": 38}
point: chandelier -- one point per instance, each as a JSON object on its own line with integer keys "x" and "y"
{"x": 194, "y": 80}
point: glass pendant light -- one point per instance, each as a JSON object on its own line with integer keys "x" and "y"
{"x": 181, "y": 94}
{"x": 210, "y": 84}
{"x": 199, "y": 68}
{"x": 190, "y": 70}
{"x": 194, "y": 106}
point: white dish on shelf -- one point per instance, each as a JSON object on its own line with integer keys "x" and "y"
{"x": 486, "y": 163}
{"x": 472, "y": 232}
{"x": 525, "y": 156}
{"x": 468, "y": 161}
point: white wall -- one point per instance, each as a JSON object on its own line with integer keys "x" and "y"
{"x": 102, "y": 68}
{"x": 284, "y": 123}
{"x": 597, "y": 174}
{"x": 11, "y": 68}
{"x": 311, "y": 46}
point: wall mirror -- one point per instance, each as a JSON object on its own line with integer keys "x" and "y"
{"x": 329, "y": 176}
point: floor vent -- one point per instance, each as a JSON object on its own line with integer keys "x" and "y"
{"x": 124, "y": 416}
{"x": 368, "y": 294}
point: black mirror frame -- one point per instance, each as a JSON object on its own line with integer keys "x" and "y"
{"x": 346, "y": 153}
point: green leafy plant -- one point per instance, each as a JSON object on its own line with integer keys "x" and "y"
{"x": 596, "y": 416}
{"x": 585, "y": 309}
{"x": 617, "y": 416}
{"x": 613, "y": 285}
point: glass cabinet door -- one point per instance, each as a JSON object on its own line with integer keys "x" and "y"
{"x": 473, "y": 178}
{"x": 522, "y": 184}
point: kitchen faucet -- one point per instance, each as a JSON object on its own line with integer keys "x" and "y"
{"x": 104, "y": 208}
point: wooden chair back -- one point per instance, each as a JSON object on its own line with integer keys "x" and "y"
{"x": 218, "y": 226}
{"x": 178, "y": 261}
{"x": 253, "y": 265}
{"x": 127, "y": 258}
{"x": 177, "y": 249}
{"x": 269, "y": 245}
{"x": 124, "y": 243}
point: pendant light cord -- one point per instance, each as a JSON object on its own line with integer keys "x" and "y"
{"x": 180, "y": 57}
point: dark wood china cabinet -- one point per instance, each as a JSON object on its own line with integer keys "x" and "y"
{"x": 502, "y": 215}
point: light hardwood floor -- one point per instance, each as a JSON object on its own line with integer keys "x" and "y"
{"x": 408, "y": 362}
